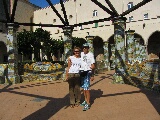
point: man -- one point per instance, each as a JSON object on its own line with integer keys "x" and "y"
{"x": 87, "y": 74}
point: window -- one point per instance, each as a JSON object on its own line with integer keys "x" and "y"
{"x": 130, "y": 18}
{"x": 96, "y": 25}
{"x": 54, "y": 20}
{"x": 130, "y": 5}
{"x": 146, "y": 16}
{"x": 95, "y": 13}
{"x": 70, "y": 16}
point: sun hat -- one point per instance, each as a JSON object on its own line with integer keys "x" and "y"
{"x": 85, "y": 45}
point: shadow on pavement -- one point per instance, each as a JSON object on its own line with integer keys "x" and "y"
{"x": 153, "y": 97}
{"x": 51, "y": 108}
{"x": 95, "y": 94}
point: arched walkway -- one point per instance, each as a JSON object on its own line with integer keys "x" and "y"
{"x": 98, "y": 47}
{"x": 153, "y": 46}
{"x": 3, "y": 53}
{"x": 98, "y": 52}
{"x": 141, "y": 40}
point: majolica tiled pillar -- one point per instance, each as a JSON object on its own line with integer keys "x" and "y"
{"x": 67, "y": 42}
{"x": 67, "y": 45}
{"x": 106, "y": 55}
{"x": 90, "y": 42}
{"x": 119, "y": 38}
{"x": 144, "y": 53}
{"x": 130, "y": 46}
{"x": 137, "y": 49}
{"x": 112, "y": 56}
{"x": 12, "y": 51}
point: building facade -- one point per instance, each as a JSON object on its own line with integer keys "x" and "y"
{"x": 23, "y": 14}
{"x": 145, "y": 21}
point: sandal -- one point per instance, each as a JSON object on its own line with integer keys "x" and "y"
{"x": 72, "y": 106}
{"x": 76, "y": 105}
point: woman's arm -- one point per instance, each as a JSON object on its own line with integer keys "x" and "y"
{"x": 67, "y": 70}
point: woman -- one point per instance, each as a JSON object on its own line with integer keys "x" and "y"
{"x": 73, "y": 77}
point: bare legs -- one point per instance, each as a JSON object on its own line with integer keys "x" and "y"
{"x": 87, "y": 96}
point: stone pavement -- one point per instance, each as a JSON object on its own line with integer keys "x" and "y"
{"x": 50, "y": 101}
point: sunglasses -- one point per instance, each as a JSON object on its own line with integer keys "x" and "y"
{"x": 76, "y": 51}
{"x": 85, "y": 47}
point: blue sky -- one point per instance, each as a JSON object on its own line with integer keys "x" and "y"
{"x": 43, "y": 3}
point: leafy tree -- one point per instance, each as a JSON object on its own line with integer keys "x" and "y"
{"x": 30, "y": 42}
{"x": 58, "y": 46}
{"x": 78, "y": 42}
{"x": 24, "y": 41}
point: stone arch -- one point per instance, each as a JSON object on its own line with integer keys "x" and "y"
{"x": 153, "y": 48}
{"x": 110, "y": 41}
{"x": 98, "y": 44}
{"x": 3, "y": 53}
{"x": 142, "y": 42}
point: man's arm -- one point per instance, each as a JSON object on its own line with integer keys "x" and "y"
{"x": 92, "y": 66}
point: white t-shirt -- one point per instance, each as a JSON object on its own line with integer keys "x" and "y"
{"x": 87, "y": 60}
{"x": 75, "y": 64}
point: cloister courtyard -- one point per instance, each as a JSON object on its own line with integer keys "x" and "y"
{"x": 49, "y": 100}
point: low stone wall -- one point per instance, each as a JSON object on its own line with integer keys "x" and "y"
{"x": 142, "y": 74}
{"x": 41, "y": 71}
{"x": 3, "y": 73}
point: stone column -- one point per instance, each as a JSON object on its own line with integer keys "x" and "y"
{"x": 119, "y": 38}
{"x": 12, "y": 51}
{"x": 130, "y": 46}
{"x": 41, "y": 52}
{"x": 67, "y": 46}
{"x": 106, "y": 56}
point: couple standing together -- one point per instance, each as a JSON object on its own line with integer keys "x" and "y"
{"x": 79, "y": 74}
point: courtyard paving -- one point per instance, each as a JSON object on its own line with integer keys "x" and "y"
{"x": 50, "y": 101}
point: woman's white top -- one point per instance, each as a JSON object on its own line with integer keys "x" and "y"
{"x": 87, "y": 61}
{"x": 75, "y": 64}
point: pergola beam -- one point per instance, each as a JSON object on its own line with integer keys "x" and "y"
{"x": 42, "y": 25}
{"x": 53, "y": 8}
{"x": 6, "y": 10}
{"x": 111, "y": 7}
{"x": 103, "y": 7}
{"x": 14, "y": 10}
{"x": 135, "y": 7}
{"x": 64, "y": 12}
